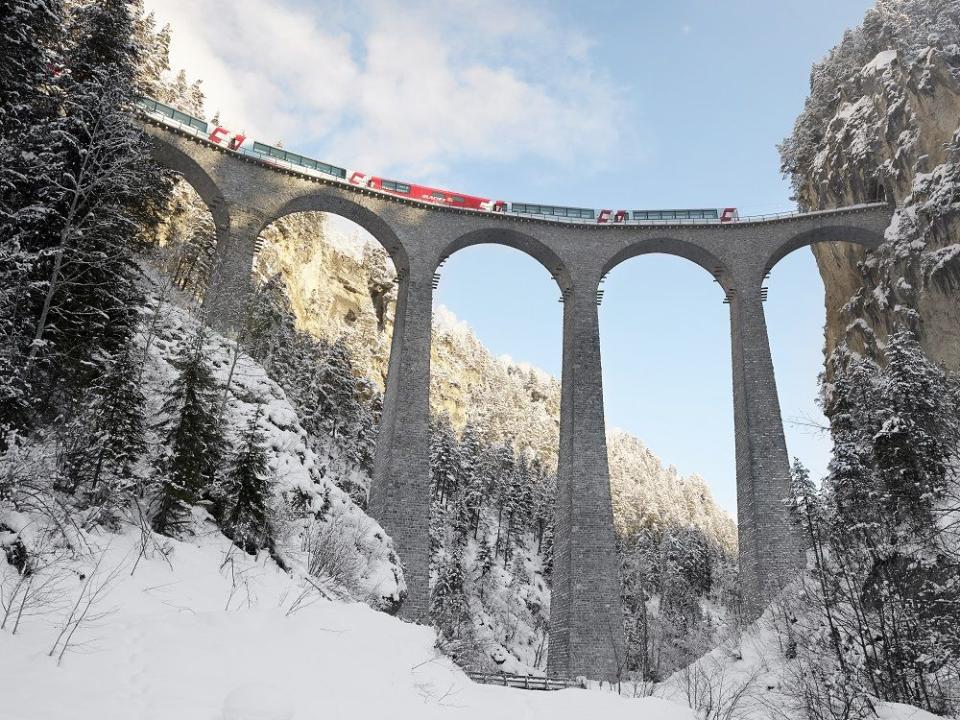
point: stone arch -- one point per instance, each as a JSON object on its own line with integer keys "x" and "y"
{"x": 678, "y": 248}
{"x": 527, "y": 244}
{"x": 335, "y": 204}
{"x": 865, "y": 237}
{"x": 173, "y": 158}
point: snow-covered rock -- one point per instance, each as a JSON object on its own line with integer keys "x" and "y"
{"x": 883, "y": 122}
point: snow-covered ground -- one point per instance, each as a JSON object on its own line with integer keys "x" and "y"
{"x": 191, "y": 638}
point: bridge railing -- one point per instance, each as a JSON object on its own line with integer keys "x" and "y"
{"x": 155, "y": 111}
{"x": 522, "y": 682}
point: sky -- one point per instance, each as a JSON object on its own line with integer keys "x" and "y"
{"x": 618, "y": 104}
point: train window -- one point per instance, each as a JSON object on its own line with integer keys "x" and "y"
{"x": 710, "y": 214}
{"x": 395, "y": 186}
{"x": 458, "y": 199}
{"x": 438, "y": 195}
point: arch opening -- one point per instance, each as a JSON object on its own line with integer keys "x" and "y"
{"x": 509, "y": 238}
{"x": 665, "y": 342}
{"x": 830, "y": 234}
{"x": 676, "y": 248}
{"x": 360, "y": 216}
{"x": 494, "y": 446}
{"x": 187, "y": 240}
{"x": 192, "y": 173}
{"x": 800, "y": 311}
{"x": 320, "y": 318}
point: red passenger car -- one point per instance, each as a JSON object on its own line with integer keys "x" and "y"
{"x": 427, "y": 194}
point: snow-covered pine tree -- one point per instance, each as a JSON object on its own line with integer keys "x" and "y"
{"x": 153, "y": 47}
{"x": 890, "y": 568}
{"x": 340, "y": 392}
{"x": 193, "y": 442}
{"x": 449, "y": 609}
{"x": 500, "y": 462}
{"x": 246, "y": 488}
{"x": 102, "y": 188}
{"x": 444, "y": 459}
{"x": 29, "y": 113}
{"x": 471, "y": 473}
{"x": 543, "y": 500}
{"x": 920, "y": 432}
{"x": 516, "y": 498}
{"x": 108, "y": 435}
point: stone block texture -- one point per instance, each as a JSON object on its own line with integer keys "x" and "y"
{"x": 586, "y": 633}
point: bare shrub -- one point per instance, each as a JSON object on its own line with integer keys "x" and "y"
{"x": 714, "y": 691}
{"x": 816, "y": 683}
{"x": 34, "y": 584}
{"x": 331, "y": 553}
{"x": 239, "y": 578}
{"x": 816, "y": 691}
{"x": 87, "y": 611}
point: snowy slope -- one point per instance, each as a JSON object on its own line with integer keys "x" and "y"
{"x": 185, "y": 643}
{"x": 297, "y": 474}
{"x": 748, "y": 676}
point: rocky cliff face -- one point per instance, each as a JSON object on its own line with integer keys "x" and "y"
{"x": 883, "y": 122}
{"x": 342, "y": 284}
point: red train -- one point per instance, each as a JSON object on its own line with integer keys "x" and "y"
{"x": 239, "y": 142}
{"x": 428, "y": 194}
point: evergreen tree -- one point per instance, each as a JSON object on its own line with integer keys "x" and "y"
{"x": 449, "y": 609}
{"x": 193, "y": 443}
{"x": 339, "y": 391}
{"x": 471, "y": 472}
{"x": 887, "y": 572}
{"x": 77, "y": 231}
{"x": 444, "y": 459}
{"x": 29, "y": 167}
{"x": 109, "y": 435}
{"x": 246, "y": 485}
{"x": 153, "y": 49}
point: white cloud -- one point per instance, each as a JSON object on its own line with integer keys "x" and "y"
{"x": 411, "y": 88}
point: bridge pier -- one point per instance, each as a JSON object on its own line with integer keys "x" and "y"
{"x": 771, "y": 548}
{"x": 230, "y": 282}
{"x": 400, "y": 492}
{"x": 586, "y": 615}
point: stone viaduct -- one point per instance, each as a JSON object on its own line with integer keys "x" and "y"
{"x": 586, "y": 631}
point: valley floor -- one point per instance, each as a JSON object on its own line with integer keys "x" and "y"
{"x": 211, "y": 634}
